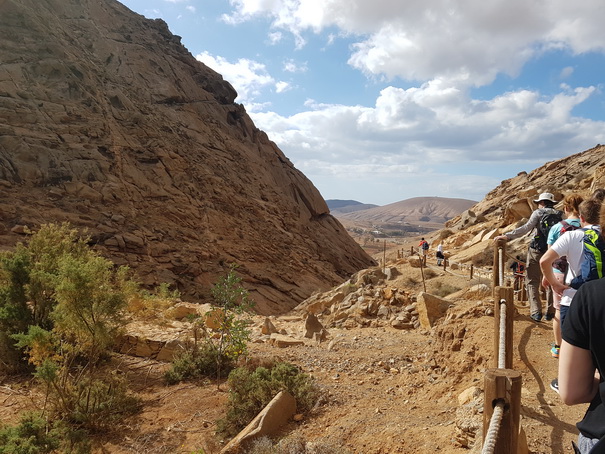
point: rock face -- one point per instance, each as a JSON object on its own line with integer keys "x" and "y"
{"x": 108, "y": 122}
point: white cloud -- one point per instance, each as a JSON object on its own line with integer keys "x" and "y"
{"x": 293, "y": 67}
{"x": 461, "y": 42}
{"x": 436, "y": 124}
{"x": 247, "y": 76}
{"x": 275, "y": 37}
{"x": 282, "y": 86}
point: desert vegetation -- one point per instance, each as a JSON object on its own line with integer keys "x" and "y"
{"x": 62, "y": 306}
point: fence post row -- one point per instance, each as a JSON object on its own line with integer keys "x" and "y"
{"x": 502, "y": 398}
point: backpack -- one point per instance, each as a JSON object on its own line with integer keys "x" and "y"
{"x": 561, "y": 263}
{"x": 549, "y": 218}
{"x": 592, "y": 258}
{"x": 425, "y": 246}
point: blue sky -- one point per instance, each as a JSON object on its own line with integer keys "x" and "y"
{"x": 383, "y": 100}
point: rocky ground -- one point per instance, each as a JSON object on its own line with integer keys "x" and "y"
{"x": 385, "y": 390}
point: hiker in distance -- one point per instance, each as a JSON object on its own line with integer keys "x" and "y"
{"x": 542, "y": 218}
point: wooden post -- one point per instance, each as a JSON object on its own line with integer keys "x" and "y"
{"x": 503, "y": 385}
{"x": 384, "y": 254}
{"x": 411, "y": 250}
{"x": 507, "y": 294}
{"x": 422, "y": 274}
{"x": 472, "y": 271}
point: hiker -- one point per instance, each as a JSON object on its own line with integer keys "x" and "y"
{"x": 439, "y": 254}
{"x": 544, "y": 217}
{"x": 518, "y": 268}
{"x": 424, "y": 248}
{"x": 571, "y": 222}
{"x": 569, "y": 245}
{"x": 582, "y": 364}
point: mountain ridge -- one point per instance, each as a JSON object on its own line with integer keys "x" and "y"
{"x": 416, "y": 209}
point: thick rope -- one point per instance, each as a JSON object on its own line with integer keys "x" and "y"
{"x": 502, "y": 340}
{"x": 489, "y": 444}
{"x": 500, "y": 267}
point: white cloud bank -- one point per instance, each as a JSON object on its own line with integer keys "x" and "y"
{"x": 445, "y": 48}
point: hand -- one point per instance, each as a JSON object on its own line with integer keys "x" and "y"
{"x": 501, "y": 237}
{"x": 545, "y": 283}
{"x": 559, "y": 288}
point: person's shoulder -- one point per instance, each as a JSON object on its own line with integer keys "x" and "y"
{"x": 572, "y": 235}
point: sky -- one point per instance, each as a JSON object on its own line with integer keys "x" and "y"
{"x": 379, "y": 101}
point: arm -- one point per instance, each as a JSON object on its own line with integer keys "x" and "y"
{"x": 533, "y": 221}
{"x": 549, "y": 276}
{"x": 578, "y": 382}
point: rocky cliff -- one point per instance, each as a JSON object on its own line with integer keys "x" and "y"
{"x": 108, "y": 122}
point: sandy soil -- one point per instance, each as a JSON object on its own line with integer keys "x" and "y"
{"x": 384, "y": 390}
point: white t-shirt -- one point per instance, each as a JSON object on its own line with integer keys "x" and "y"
{"x": 571, "y": 245}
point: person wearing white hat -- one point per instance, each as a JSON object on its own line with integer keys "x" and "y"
{"x": 545, "y": 214}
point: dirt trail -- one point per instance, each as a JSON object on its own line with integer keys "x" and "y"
{"x": 385, "y": 390}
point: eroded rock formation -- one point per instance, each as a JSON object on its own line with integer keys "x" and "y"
{"x": 108, "y": 122}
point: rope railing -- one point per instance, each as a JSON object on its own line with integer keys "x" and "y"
{"x": 502, "y": 340}
{"x": 502, "y": 398}
{"x": 500, "y": 267}
{"x": 489, "y": 444}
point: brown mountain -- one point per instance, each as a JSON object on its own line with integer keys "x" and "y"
{"x": 418, "y": 209}
{"x": 108, "y": 122}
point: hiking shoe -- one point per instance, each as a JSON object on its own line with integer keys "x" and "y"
{"x": 549, "y": 317}
{"x": 554, "y": 385}
{"x": 536, "y": 317}
{"x": 554, "y": 351}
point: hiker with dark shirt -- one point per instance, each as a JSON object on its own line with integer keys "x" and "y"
{"x": 533, "y": 275}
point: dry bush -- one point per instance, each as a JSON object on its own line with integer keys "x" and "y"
{"x": 429, "y": 273}
{"x": 295, "y": 445}
{"x": 445, "y": 233}
{"x": 443, "y": 289}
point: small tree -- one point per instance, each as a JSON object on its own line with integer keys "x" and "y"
{"x": 233, "y": 332}
{"x": 215, "y": 351}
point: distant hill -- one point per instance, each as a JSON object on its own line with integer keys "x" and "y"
{"x": 347, "y": 206}
{"x": 433, "y": 210}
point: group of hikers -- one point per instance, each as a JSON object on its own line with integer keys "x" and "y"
{"x": 565, "y": 257}
{"x": 423, "y": 246}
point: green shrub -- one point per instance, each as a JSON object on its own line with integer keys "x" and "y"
{"x": 35, "y": 435}
{"x": 58, "y": 284}
{"x": 195, "y": 362}
{"x": 250, "y": 391}
{"x": 31, "y": 435}
{"x": 61, "y": 306}
{"x": 215, "y": 352}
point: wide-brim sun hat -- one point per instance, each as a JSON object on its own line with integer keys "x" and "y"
{"x": 545, "y": 196}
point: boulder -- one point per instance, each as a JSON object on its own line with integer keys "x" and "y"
{"x": 313, "y": 326}
{"x": 268, "y": 422}
{"x": 282, "y": 341}
{"x": 430, "y": 308}
{"x": 268, "y": 327}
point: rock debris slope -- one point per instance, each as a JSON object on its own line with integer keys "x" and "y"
{"x": 108, "y": 122}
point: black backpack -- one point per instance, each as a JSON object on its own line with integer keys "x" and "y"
{"x": 549, "y": 218}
